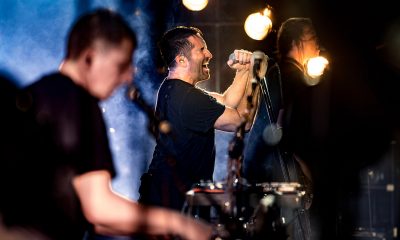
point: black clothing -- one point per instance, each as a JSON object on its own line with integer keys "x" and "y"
{"x": 302, "y": 118}
{"x": 8, "y": 120}
{"x": 287, "y": 102}
{"x": 62, "y": 135}
{"x": 291, "y": 101}
{"x": 186, "y": 155}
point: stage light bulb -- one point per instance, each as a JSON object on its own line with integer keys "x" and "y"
{"x": 195, "y": 5}
{"x": 315, "y": 68}
{"x": 258, "y": 25}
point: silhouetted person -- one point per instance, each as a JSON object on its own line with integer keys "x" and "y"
{"x": 283, "y": 142}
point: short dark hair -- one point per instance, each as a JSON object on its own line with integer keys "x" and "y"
{"x": 175, "y": 41}
{"x": 101, "y": 24}
{"x": 291, "y": 30}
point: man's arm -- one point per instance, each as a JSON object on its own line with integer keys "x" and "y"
{"x": 113, "y": 214}
{"x": 235, "y": 92}
{"x": 231, "y": 98}
{"x": 239, "y": 107}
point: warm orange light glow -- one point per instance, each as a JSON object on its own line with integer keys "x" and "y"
{"x": 267, "y": 12}
{"x": 257, "y": 25}
{"x": 195, "y": 5}
{"x": 315, "y": 68}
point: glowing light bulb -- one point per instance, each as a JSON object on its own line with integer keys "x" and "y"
{"x": 258, "y": 25}
{"x": 315, "y": 68}
{"x": 195, "y": 5}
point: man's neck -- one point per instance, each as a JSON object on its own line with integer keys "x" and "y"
{"x": 182, "y": 76}
{"x": 70, "y": 68}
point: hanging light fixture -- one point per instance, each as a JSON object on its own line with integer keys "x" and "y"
{"x": 259, "y": 24}
{"x": 195, "y": 5}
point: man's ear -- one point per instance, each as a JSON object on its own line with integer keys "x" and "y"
{"x": 180, "y": 59}
{"x": 88, "y": 57}
{"x": 88, "y": 60}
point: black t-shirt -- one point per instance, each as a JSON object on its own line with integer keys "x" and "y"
{"x": 300, "y": 113}
{"x": 61, "y": 134}
{"x": 288, "y": 92}
{"x": 190, "y": 145}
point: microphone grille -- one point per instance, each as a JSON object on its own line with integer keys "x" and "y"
{"x": 232, "y": 57}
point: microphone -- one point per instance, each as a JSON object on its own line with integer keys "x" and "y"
{"x": 257, "y": 55}
{"x": 233, "y": 58}
{"x": 260, "y": 61}
{"x": 155, "y": 125}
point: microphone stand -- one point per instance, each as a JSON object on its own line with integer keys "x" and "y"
{"x": 235, "y": 184}
{"x": 235, "y": 152}
{"x": 287, "y": 172}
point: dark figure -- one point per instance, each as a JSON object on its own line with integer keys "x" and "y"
{"x": 282, "y": 143}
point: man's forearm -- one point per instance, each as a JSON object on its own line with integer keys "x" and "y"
{"x": 233, "y": 96}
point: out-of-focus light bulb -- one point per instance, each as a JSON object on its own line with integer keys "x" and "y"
{"x": 315, "y": 68}
{"x": 195, "y": 5}
{"x": 258, "y": 25}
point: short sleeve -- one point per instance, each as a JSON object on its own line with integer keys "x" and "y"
{"x": 199, "y": 110}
